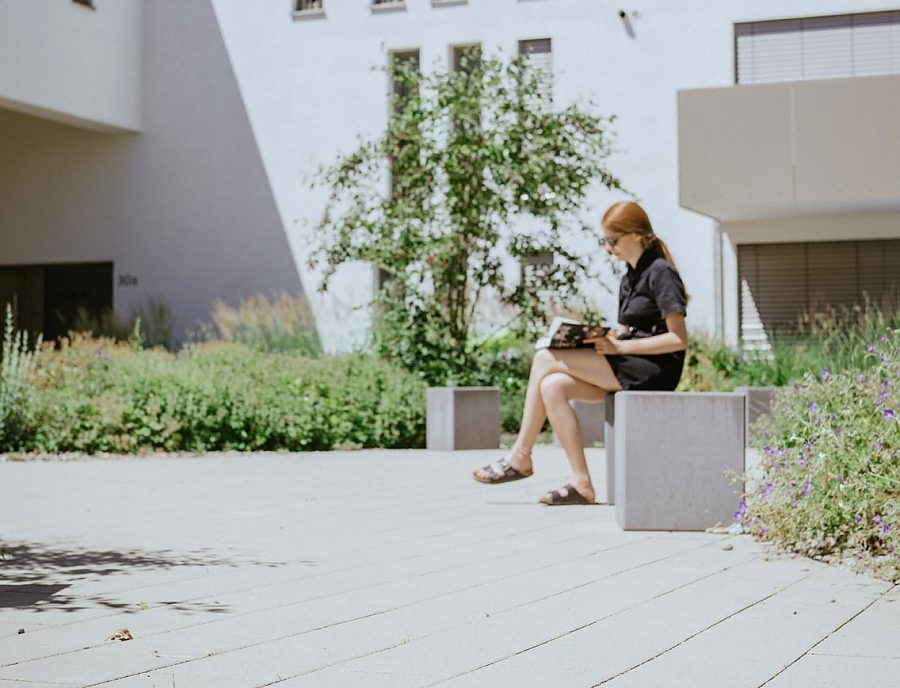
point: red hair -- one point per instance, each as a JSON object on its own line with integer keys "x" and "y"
{"x": 627, "y": 217}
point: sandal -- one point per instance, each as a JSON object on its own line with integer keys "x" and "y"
{"x": 506, "y": 473}
{"x": 556, "y": 498}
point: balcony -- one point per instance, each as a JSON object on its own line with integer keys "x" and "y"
{"x": 791, "y": 149}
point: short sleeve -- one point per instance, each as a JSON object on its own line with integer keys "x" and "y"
{"x": 668, "y": 289}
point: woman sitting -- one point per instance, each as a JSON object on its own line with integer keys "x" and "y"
{"x": 646, "y": 354}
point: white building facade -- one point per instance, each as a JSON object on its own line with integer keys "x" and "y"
{"x": 180, "y": 169}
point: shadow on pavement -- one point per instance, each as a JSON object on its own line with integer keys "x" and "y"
{"x": 37, "y": 577}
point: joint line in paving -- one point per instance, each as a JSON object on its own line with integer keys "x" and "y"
{"x": 825, "y": 637}
{"x": 704, "y": 630}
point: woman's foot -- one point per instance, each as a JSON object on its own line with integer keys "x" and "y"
{"x": 569, "y": 495}
{"x": 515, "y": 466}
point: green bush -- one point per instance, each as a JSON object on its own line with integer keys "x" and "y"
{"x": 102, "y": 396}
{"x": 829, "y": 485}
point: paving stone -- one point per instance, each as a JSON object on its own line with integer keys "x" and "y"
{"x": 832, "y": 671}
{"x": 404, "y": 572}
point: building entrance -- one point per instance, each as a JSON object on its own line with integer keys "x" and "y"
{"x": 47, "y": 298}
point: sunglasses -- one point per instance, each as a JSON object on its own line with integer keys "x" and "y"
{"x": 611, "y": 240}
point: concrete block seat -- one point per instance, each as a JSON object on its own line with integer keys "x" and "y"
{"x": 462, "y": 418}
{"x": 667, "y": 453}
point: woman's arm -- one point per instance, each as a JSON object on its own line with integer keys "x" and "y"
{"x": 676, "y": 339}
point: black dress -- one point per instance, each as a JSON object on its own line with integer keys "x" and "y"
{"x": 648, "y": 293}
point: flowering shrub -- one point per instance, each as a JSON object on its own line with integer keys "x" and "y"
{"x": 829, "y": 482}
{"x": 17, "y": 363}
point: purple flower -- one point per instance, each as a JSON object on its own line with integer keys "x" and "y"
{"x": 813, "y": 407}
{"x": 768, "y": 450}
{"x": 871, "y": 347}
{"x": 763, "y": 531}
{"x": 885, "y": 527}
{"x": 767, "y": 490}
{"x": 889, "y": 414}
{"x": 856, "y": 518}
{"x": 833, "y": 417}
{"x": 825, "y": 374}
{"x": 97, "y": 352}
{"x": 837, "y": 430}
{"x": 793, "y": 502}
{"x": 878, "y": 446}
{"x": 883, "y": 338}
{"x": 802, "y": 461}
{"x": 861, "y": 378}
{"x": 106, "y": 357}
{"x": 807, "y": 488}
{"x": 839, "y": 478}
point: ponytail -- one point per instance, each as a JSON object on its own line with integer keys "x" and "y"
{"x": 660, "y": 248}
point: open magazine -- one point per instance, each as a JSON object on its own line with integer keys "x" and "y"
{"x": 569, "y": 334}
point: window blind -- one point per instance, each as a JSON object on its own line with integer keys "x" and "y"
{"x": 782, "y": 283}
{"x": 847, "y": 45}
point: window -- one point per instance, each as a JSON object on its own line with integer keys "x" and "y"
{"x": 400, "y": 90}
{"x": 536, "y": 262}
{"x": 845, "y": 45}
{"x": 309, "y": 9}
{"x": 538, "y": 53}
{"x": 52, "y": 298}
{"x": 406, "y": 155}
{"x": 781, "y": 283}
{"x": 388, "y": 5}
{"x": 465, "y": 57}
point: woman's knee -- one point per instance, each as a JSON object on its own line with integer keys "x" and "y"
{"x": 555, "y": 389}
{"x": 543, "y": 359}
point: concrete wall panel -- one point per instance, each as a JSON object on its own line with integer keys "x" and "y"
{"x": 66, "y": 62}
{"x": 848, "y": 140}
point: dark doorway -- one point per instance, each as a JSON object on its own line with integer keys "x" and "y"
{"x": 47, "y": 298}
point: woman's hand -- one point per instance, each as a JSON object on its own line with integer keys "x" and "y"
{"x": 607, "y": 345}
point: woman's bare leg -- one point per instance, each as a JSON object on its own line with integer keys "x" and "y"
{"x": 557, "y": 389}
{"x": 581, "y": 364}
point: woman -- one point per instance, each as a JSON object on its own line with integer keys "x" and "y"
{"x": 646, "y": 354}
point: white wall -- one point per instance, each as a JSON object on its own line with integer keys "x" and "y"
{"x": 70, "y": 63}
{"x": 185, "y": 207}
{"x": 310, "y": 91}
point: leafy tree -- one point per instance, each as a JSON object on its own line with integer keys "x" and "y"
{"x": 480, "y": 170}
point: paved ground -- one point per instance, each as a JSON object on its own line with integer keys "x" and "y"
{"x": 395, "y": 569}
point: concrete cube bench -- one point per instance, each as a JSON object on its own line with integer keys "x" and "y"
{"x": 759, "y": 404}
{"x": 667, "y": 453}
{"x": 590, "y": 415}
{"x": 462, "y": 418}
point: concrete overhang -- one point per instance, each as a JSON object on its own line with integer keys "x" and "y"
{"x": 791, "y": 149}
